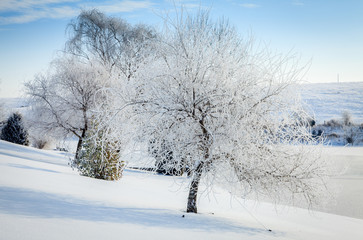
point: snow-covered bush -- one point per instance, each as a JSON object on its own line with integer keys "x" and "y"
{"x": 38, "y": 139}
{"x": 339, "y": 132}
{"x": 99, "y": 157}
{"x": 352, "y": 134}
{"x": 347, "y": 118}
{"x": 14, "y": 130}
{"x": 333, "y": 123}
{"x": 39, "y": 143}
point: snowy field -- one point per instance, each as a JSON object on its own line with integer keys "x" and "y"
{"x": 41, "y": 197}
{"x": 329, "y": 100}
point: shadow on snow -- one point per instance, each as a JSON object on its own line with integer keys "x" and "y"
{"x": 40, "y": 204}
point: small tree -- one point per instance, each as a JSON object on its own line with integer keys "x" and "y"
{"x": 14, "y": 130}
{"x": 63, "y": 98}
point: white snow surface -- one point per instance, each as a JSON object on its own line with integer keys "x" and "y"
{"x": 41, "y": 197}
{"x": 328, "y": 100}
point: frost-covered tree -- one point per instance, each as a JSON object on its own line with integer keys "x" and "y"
{"x": 64, "y": 97}
{"x": 111, "y": 41}
{"x": 99, "y": 49}
{"x": 14, "y": 130}
{"x": 223, "y": 108}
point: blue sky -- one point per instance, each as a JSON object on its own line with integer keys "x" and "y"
{"x": 328, "y": 33}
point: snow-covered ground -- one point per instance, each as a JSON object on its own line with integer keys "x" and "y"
{"x": 41, "y": 197}
{"x": 349, "y": 184}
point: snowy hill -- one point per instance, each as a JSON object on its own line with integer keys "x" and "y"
{"x": 329, "y": 100}
{"x": 11, "y": 105}
{"x": 41, "y": 197}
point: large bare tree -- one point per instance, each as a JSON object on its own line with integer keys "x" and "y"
{"x": 222, "y": 108}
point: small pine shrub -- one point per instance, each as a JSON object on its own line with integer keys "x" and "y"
{"x": 99, "y": 158}
{"x": 14, "y": 130}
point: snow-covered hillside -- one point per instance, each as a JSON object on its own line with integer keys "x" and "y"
{"x": 326, "y": 100}
{"x": 11, "y": 105}
{"x": 329, "y": 100}
{"x": 41, "y": 197}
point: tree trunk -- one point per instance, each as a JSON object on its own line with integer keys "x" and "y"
{"x": 83, "y": 135}
{"x": 79, "y": 144}
{"x": 193, "y": 190}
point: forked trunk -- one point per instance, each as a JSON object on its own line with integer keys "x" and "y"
{"x": 194, "y": 185}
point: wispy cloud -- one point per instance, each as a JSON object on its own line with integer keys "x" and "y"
{"x": 23, "y": 11}
{"x": 297, "y": 3}
{"x": 249, "y": 5}
{"x": 124, "y": 6}
{"x": 187, "y": 4}
{"x": 19, "y": 5}
{"x": 31, "y": 15}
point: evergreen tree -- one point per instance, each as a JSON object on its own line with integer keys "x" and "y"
{"x": 14, "y": 130}
{"x": 99, "y": 157}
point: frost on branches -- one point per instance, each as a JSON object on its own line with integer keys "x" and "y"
{"x": 111, "y": 41}
{"x": 222, "y": 106}
{"x": 64, "y": 97}
{"x": 101, "y": 52}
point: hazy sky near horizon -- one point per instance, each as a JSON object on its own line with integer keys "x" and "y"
{"x": 327, "y": 33}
